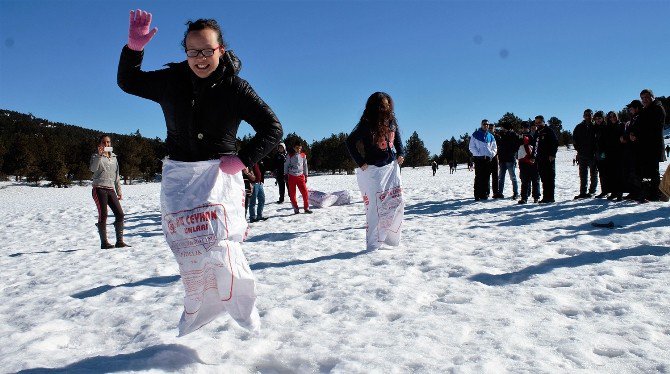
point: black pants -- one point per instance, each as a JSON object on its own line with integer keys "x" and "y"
{"x": 281, "y": 183}
{"x": 547, "y": 171}
{"x": 586, "y": 167}
{"x": 605, "y": 175}
{"x": 104, "y": 197}
{"x": 529, "y": 178}
{"x": 482, "y": 174}
{"x": 494, "y": 175}
{"x": 648, "y": 180}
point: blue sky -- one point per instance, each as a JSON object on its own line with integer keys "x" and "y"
{"x": 447, "y": 64}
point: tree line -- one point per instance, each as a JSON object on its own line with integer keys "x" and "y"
{"x": 40, "y": 150}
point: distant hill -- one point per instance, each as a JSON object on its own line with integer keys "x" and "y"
{"x": 38, "y": 149}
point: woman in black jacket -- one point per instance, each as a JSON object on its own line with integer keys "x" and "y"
{"x": 378, "y": 133}
{"x": 202, "y": 98}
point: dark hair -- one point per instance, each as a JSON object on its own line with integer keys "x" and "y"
{"x": 485, "y": 121}
{"x": 612, "y": 113}
{"x": 297, "y": 143}
{"x": 202, "y": 24}
{"x": 599, "y": 114}
{"x": 540, "y": 117}
{"x": 375, "y": 115}
{"x": 102, "y": 137}
{"x": 647, "y": 91}
{"x": 589, "y": 111}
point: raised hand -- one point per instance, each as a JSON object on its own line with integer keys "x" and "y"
{"x": 138, "y": 32}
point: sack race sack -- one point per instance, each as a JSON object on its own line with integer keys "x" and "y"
{"x": 665, "y": 182}
{"x": 203, "y": 220}
{"x": 343, "y": 197}
{"x": 320, "y": 199}
{"x": 384, "y": 205}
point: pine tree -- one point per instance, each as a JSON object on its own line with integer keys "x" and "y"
{"x": 416, "y": 153}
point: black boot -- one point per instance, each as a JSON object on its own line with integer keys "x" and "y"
{"x": 118, "y": 226}
{"x": 102, "y": 231}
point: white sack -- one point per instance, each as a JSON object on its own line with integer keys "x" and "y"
{"x": 343, "y": 197}
{"x": 318, "y": 199}
{"x": 384, "y": 205}
{"x": 202, "y": 212}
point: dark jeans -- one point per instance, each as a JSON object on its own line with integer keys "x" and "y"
{"x": 104, "y": 197}
{"x": 529, "y": 176}
{"x": 605, "y": 175}
{"x": 281, "y": 183}
{"x": 547, "y": 171}
{"x": 482, "y": 173}
{"x": 587, "y": 167}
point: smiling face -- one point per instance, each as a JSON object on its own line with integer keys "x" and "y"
{"x": 201, "y": 65}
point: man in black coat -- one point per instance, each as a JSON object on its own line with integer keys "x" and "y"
{"x": 584, "y": 139}
{"x": 278, "y": 170}
{"x": 647, "y": 135}
{"x": 546, "y": 146}
{"x": 508, "y": 145}
{"x": 494, "y": 165}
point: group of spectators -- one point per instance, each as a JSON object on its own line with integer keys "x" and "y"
{"x": 289, "y": 169}
{"x": 495, "y": 153}
{"x": 623, "y": 157}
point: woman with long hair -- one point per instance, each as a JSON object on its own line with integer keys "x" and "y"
{"x": 378, "y": 136}
{"x": 107, "y": 191}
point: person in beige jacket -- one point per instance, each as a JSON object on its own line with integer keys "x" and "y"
{"x": 107, "y": 191}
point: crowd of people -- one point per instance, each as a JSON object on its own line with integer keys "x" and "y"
{"x": 622, "y": 157}
{"x": 204, "y": 101}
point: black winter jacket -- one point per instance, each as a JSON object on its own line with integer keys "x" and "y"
{"x": 203, "y": 115}
{"x": 508, "y": 145}
{"x": 584, "y": 139}
{"x": 546, "y": 143}
{"x": 649, "y": 132}
{"x": 373, "y": 155}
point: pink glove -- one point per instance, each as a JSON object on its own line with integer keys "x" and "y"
{"x": 138, "y": 32}
{"x": 231, "y": 164}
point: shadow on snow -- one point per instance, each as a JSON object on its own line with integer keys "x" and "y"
{"x": 153, "y": 282}
{"x": 163, "y": 281}
{"x": 584, "y": 258}
{"x": 164, "y": 357}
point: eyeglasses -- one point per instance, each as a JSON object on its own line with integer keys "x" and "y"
{"x": 205, "y": 52}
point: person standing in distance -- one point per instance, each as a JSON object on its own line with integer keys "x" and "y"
{"x": 584, "y": 139}
{"x": 546, "y": 146}
{"x": 483, "y": 148}
{"x": 278, "y": 170}
{"x": 107, "y": 191}
{"x": 295, "y": 174}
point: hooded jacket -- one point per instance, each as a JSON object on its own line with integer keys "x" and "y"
{"x": 483, "y": 144}
{"x": 105, "y": 172}
{"x": 203, "y": 114}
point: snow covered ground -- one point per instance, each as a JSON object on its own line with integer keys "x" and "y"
{"x": 474, "y": 287}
